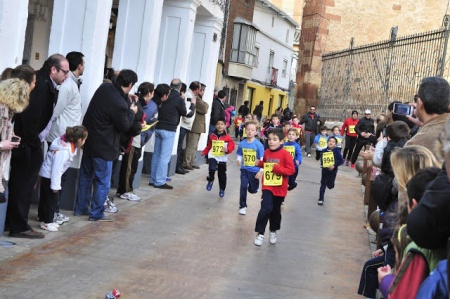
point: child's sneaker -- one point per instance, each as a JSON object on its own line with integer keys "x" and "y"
{"x": 272, "y": 238}
{"x": 346, "y": 163}
{"x": 222, "y": 193}
{"x": 352, "y": 165}
{"x": 320, "y": 203}
{"x": 259, "y": 239}
{"x": 209, "y": 186}
{"x": 243, "y": 211}
{"x": 51, "y": 227}
{"x": 309, "y": 155}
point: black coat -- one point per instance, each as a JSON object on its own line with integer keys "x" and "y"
{"x": 37, "y": 115}
{"x": 107, "y": 117}
{"x": 217, "y": 111}
{"x": 170, "y": 111}
{"x": 310, "y": 121}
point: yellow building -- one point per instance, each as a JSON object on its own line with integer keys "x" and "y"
{"x": 272, "y": 97}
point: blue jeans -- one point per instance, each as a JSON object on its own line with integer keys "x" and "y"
{"x": 161, "y": 156}
{"x": 98, "y": 172}
{"x": 248, "y": 182}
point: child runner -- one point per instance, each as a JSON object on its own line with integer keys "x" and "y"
{"x": 58, "y": 159}
{"x": 237, "y": 123}
{"x": 286, "y": 127}
{"x": 296, "y": 153}
{"x": 220, "y": 144}
{"x": 276, "y": 166}
{"x": 330, "y": 159}
{"x": 321, "y": 141}
{"x": 296, "y": 124}
{"x": 249, "y": 152}
{"x": 274, "y": 123}
{"x": 338, "y": 136}
{"x": 242, "y": 133}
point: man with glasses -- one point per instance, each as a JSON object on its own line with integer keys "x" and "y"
{"x": 26, "y": 160}
{"x": 365, "y": 128}
{"x": 432, "y": 102}
{"x": 312, "y": 123}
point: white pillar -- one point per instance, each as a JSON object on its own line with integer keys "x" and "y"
{"x": 203, "y": 60}
{"x": 137, "y": 34}
{"x": 13, "y": 24}
{"x": 177, "y": 27}
{"x": 82, "y": 26}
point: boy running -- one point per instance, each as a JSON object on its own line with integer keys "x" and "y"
{"x": 220, "y": 144}
{"x": 330, "y": 159}
{"x": 295, "y": 150}
{"x": 276, "y": 166}
{"x": 249, "y": 152}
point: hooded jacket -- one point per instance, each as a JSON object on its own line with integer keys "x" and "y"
{"x": 58, "y": 159}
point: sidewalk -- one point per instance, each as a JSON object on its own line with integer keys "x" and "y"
{"x": 189, "y": 243}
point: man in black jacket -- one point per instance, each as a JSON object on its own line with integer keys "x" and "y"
{"x": 365, "y": 128}
{"x": 170, "y": 109}
{"x": 312, "y": 123}
{"x": 217, "y": 110}
{"x": 26, "y": 160}
{"x": 107, "y": 117}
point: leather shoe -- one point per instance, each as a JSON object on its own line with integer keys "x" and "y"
{"x": 195, "y": 166}
{"x": 165, "y": 186}
{"x": 188, "y": 167}
{"x": 29, "y": 234}
{"x": 180, "y": 170}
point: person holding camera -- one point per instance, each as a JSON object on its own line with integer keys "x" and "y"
{"x": 365, "y": 128}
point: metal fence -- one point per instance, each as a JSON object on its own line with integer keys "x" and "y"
{"x": 372, "y": 76}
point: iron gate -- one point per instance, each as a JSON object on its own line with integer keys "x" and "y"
{"x": 372, "y": 76}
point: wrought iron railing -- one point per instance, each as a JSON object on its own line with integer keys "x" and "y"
{"x": 371, "y": 76}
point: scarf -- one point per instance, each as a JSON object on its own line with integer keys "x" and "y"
{"x": 6, "y": 133}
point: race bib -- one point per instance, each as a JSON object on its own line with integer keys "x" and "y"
{"x": 249, "y": 157}
{"x": 327, "y": 159}
{"x": 290, "y": 149}
{"x": 322, "y": 142}
{"x": 239, "y": 122}
{"x": 217, "y": 148}
{"x": 339, "y": 141}
{"x": 299, "y": 131}
{"x": 351, "y": 129}
{"x": 270, "y": 178}
{"x": 244, "y": 133}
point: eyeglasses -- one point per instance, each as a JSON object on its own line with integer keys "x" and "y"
{"x": 312, "y": 109}
{"x": 64, "y": 71}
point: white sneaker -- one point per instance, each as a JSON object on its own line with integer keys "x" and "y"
{"x": 60, "y": 218}
{"x": 243, "y": 211}
{"x": 309, "y": 155}
{"x": 259, "y": 240}
{"x": 49, "y": 226}
{"x": 109, "y": 207}
{"x": 56, "y": 224}
{"x": 272, "y": 238}
{"x": 130, "y": 196}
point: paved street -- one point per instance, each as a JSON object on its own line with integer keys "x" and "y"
{"x": 189, "y": 243}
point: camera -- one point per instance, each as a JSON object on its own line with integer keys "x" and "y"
{"x": 403, "y": 109}
{"x": 15, "y": 139}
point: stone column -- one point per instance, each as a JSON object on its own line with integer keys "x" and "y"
{"x": 82, "y": 26}
{"x": 13, "y": 21}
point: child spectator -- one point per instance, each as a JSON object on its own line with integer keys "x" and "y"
{"x": 296, "y": 124}
{"x": 286, "y": 127}
{"x": 276, "y": 166}
{"x": 220, "y": 144}
{"x": 412, "y": 261}
{"x": 321, "y": 141}
{"x": 330, "y": 159}
{"x": 338, "y": 136}
{"x": 295, "y": 150}
{"x": 249, "y": 152}
{"x": 238, "y": 120}
{"x": 274, "y": 123}
{"x": 58, "y": 159}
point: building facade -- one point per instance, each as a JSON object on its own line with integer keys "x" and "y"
{"x": 258, "y": 56}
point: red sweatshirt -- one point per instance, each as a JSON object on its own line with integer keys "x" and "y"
{"x": 284, "y": 166}
{"x": 224, "y": 136}
{"x": 350, "y": 125}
